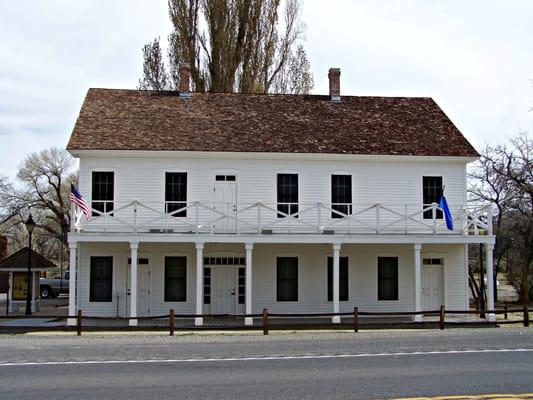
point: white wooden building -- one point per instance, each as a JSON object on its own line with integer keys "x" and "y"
{"x": 230, "y": 203}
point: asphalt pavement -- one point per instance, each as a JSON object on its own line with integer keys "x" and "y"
{"x": 367, "y": 365}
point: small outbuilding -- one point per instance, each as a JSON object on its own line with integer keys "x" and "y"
{"x": 16, "y": 266}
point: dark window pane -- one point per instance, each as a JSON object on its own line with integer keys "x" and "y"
{"x": 341, "y": 195}
{"x": 387, "y": 278}
{"x": 432, "y": 192}
{"x": 287, "y": 194}
{"x": 343, "y": 277}
{"x": 103, "y": 192}
{"x": 220, "y": 177}
{"x": 176, "y": 193}
{"x": 230, "y": 178}
{"x": 175, "y": 278}
{"x": 287, "y": 279}
{"x": 101, "y": 284}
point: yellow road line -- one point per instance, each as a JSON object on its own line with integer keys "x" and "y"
{"x": 523, "y": 396}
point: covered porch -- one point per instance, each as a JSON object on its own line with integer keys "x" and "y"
{"x": 229, "y": 275}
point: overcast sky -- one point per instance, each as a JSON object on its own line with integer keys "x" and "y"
{"x": 475, "y": 58}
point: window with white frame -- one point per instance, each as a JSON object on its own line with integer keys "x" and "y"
{"x": 103, "y": 192}
{"x": 287, "y": 194}
{"x": 176, "y": 193}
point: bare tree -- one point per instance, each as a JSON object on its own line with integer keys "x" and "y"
{"x": 237, "y": 45}
{"x": 504, "y": 177}
{"x": 43, "y": 188}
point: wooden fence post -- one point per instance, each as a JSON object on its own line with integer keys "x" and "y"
{"x": 356, "y": 319}
{"x": 78, "y": 323}
{"x": 526, "y": 316}
{"x": 171, "y": 322}
{"x": 441, "y": 318}
{"x": 505, "y": 310}
{"x": 265, "y": 321}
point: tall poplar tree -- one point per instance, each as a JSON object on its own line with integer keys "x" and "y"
{"x": 232, "y": 46}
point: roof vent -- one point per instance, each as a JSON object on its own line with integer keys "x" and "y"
{"x": 334, "y": 76}
{"x": 185, "y": 80}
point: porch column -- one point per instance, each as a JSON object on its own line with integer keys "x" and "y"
{"x": 248, "y": 310}
{"x": 418, "y": 286}
{"x": 490, "y": 281}
{"x": 199, "y": 283}
{"x": 72, "y": 246}
{"x": 336, "y": 276}
{"x": 134, "y": 246}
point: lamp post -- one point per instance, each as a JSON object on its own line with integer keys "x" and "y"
{"x": 30, "y": 225}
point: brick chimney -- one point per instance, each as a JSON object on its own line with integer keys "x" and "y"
{"x": 3, "y": 247}
{"x": 185, "y": 80}
{"x": 334, "y": 76}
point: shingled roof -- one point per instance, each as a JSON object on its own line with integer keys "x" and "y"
{"x": 112, "y": 119}
{"x": 20, "y": 260}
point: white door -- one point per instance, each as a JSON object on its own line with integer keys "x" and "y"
{"x": 224, "y": 206}
{"x": 143, "y": 290}
{"x": 432, "y": 288}
{"x": 223, "y": 290}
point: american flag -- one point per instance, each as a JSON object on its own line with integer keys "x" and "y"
{"x": 77, "y": 199}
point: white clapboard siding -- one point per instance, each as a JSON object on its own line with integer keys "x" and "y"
{"x": 312, "y": 273}
{"x": 391, "y": 183}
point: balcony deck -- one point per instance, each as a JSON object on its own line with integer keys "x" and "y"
{"x": 208, "y": 218}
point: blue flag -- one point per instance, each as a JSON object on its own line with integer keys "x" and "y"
{"x": 447, "y": 214}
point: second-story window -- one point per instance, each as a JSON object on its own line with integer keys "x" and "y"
{"x": 103, "y": 192}
{"x": 287, "y": 194}
{"x": 176, "y": 193}
{"x": 432, "y": 192}
{"x": 341, "y": 195}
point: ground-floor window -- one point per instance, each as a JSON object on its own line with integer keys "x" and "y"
{"x": 101, "y": 279}
{"x": 387, "y": 278}
{"x": 287, "y": 279}
{"x": 175, "y": 278}
{"x": 343, "y": 278}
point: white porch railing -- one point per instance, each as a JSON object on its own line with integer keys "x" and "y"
{"x": 287, "y": 218}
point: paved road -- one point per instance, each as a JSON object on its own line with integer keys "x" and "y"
{"x": 368, "y": 365}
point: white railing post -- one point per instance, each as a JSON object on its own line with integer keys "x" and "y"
{"x": 237, "y": 225}
{"x": 434, "y": 216}
{"x": 135, "y": 202}
{"x": 406, "y": 216}
{"x": 258, "y": 205}
{"x": 319, "y": 219}
{"x": 290, "y": 215}
{"x": 165, "y": 207}
{"x": 378, "y": 221}
{"x": 489, "y": 219}
{"x": 105, "y": 216}
{"x": 196, "y": 216}
{"x": 73, "y": 222}
{"x": 352, "y": 209}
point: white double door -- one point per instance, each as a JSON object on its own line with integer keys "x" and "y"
{"x": 143, "y": 290}
{"x": 225, "y": 204}
{"x": 224, "y": 295}
{"x": 432, "y": 287}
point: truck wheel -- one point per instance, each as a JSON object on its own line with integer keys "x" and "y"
{"x": 46, "y": 293}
